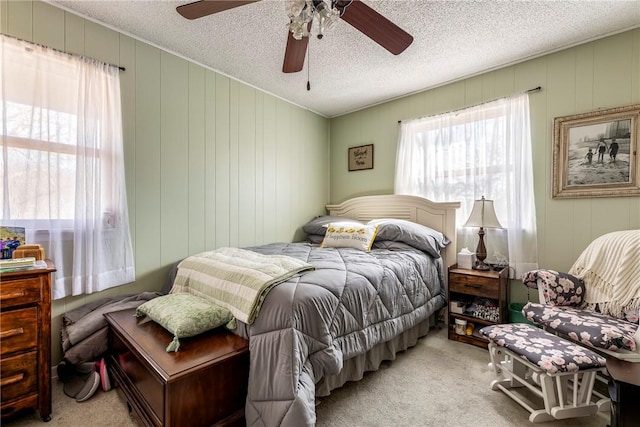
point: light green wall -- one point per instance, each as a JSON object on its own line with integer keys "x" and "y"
{"x": 212, "y": 162}
{"x": 600, "y": 74}
{"x": 209, "y": 161}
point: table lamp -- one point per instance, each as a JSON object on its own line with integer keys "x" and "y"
{"x": 483, "y": 215}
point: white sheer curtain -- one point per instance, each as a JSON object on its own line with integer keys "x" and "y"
{"x": 62, "y": 164}
{"x": 466, "y": 154}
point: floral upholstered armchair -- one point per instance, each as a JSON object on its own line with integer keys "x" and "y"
{"x": 597, "y": 303}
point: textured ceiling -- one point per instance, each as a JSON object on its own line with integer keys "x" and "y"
{"x": 347, "y": 70}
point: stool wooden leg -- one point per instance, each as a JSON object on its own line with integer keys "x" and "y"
{"x": 564, "y": 394}
{"x": 579, "y": 405}
{"x": 549, "y": 395}
{"x": 505, "y": 368}
{"x": 549, "y": 400}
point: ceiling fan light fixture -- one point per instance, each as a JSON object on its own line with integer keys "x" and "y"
{"x": 302, "y": 12}
{"x": 327, "y": 17}
{"x": 295, "y": 7}
{"x": 298, "y": 30}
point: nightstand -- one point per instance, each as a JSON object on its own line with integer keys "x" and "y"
{"x": 481, "y": 296}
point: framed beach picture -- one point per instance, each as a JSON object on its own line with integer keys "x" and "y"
{"x": 595, "y": 154}
{"x": 361, "y": 157}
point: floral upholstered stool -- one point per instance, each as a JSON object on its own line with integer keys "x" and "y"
{"x": 558, "y": 371}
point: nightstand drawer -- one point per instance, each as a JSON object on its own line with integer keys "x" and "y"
{"x": 474, "y": 285}
{"x": 18, "y": 376}
{"x": 20, "y": 292}
{"x": 18, "y": 330}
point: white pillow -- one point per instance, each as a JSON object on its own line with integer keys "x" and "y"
{"x": 349, "y": 235}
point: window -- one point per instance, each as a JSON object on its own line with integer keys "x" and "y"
{"x": 62, "y": 164}
{"x": 466, "y": 154}
{"x": 31, "y": 153}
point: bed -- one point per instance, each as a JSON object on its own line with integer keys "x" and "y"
{"x": 355, "y": 309}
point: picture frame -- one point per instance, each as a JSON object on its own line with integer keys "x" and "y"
{"x": 10, "y": 239}
{"x": 595, "y": 154}
{"x": 361, "y": 157}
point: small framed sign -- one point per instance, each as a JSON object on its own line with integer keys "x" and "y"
{"x": 361, "y": 157}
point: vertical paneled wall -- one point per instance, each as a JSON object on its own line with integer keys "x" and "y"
{"x": 210, "y": 161}
{"x": 600, "y": 74}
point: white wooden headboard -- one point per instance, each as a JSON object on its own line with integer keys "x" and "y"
{"x": 440, "y": 216}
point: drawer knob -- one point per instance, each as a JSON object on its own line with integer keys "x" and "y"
{"x": 11, "y": 380}
{"x": 12, "y": 295}
{"x": 11, "y": 333}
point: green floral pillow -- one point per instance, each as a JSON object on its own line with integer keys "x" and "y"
{"x": 184, "y": 315}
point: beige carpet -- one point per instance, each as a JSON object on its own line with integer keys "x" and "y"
{"x": 436, "y": 383}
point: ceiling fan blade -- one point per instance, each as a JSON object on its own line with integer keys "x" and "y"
{"x": 376, "y": 27}
{"x": 294, "y": 54}
{"x": 202, "y": 8}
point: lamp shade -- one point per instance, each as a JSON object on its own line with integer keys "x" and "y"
{"x": 483, "y": 215}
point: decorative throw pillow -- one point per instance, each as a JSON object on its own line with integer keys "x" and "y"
{"x": 556, "y": 288}
{"x": 349, "y": 235}
{"x": 184, "y": 315}
{"x": 413, "y": 234}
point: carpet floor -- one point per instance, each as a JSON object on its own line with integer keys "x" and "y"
{"x": 436, "y": 383}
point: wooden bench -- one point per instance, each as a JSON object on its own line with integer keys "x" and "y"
{"x": 202, "y": 384}
{"x": 558, "y": 371}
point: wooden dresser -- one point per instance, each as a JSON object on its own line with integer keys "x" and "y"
{"x": 202, "y": 384}
{"x": 25, "y": 341}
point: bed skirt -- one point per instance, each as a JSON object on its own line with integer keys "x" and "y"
{"x": 354, "y": 368}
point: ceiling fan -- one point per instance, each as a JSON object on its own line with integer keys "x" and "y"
{"x": 302, "y": 12}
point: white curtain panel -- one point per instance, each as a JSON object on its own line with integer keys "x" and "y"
{"x": 466, "y": 154}
{"x": 62, "y": 165}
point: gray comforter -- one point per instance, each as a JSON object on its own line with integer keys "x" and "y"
{"x": 310, "y": 324}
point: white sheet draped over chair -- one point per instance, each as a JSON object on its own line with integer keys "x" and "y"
{"x": 610, "y": 268}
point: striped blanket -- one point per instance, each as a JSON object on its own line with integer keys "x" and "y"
{"x": 610, "y": 269}
{"x": 234, "y": 278}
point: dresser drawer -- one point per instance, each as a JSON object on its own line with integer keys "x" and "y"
{"x": 18, "y": 330}
{"x": 18, "y": 375}
{"x": 20, "y": 292}
{"x": 474, "y": 285}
